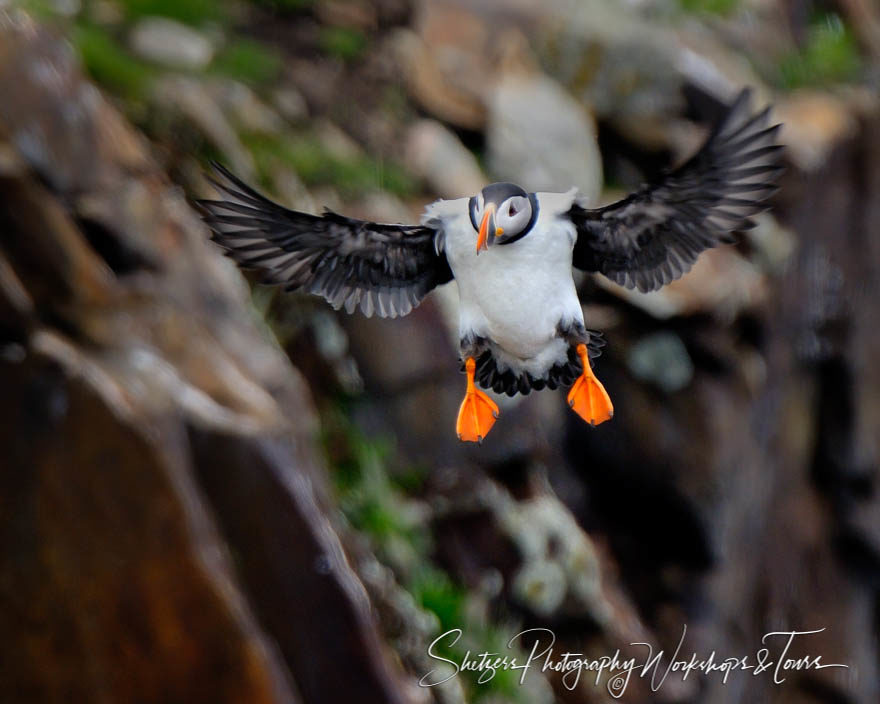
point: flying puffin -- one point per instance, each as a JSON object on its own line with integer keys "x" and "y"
{"x": 521, "y": 325}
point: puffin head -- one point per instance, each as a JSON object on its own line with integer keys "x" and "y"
{"x": 502, "y": 213}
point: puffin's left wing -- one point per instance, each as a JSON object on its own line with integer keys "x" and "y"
{"x": 382, "y": 269}
{"x": 655, "y": 235}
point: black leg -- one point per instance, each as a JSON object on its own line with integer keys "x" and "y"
{"x": 472, "y": 346}
{"x": 573, "y": 332}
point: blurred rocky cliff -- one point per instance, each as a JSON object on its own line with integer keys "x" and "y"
{"x": 212, "y": 493}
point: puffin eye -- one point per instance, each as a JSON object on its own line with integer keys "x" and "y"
{"x": 512, "y": 210}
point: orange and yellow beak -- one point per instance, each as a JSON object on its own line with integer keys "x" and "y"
{"x": 488, "y": 231}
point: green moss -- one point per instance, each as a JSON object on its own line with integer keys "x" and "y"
{"x": 376, "y": 519}
{"x": 41, "y": 9}
{"x": 343, "y": 42}
{"x": 373, "y": 502}
{"x": 411, "y": 479}
{"x": 715, "y": 7}
{"x": 109, "y": 64}
{"x": 366, "y": 495}
{"x": 316, "y": 166}
{"x": 248, "y": 61}
{"x": 494, "y": 639}
{"x": 830, "y": 54}
{"x": 194, "y": 12}
{"x": 435, "y": 591}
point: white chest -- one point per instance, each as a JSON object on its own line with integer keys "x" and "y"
{"x": 516, "y": 294}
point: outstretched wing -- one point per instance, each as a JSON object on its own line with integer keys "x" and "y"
{"x": 381, "y": 269}
{"x": 655, "y": 235}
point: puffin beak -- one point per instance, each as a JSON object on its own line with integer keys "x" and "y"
{"x": 488, "y": 231}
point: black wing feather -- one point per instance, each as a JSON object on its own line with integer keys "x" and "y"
{"x": 656, "y": 234}
{"x": 381, "y": 269}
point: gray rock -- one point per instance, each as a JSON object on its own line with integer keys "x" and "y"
{"x": 560, "y": 564}
{"x": 336, "y": 141}
{"x": 437, "y": 155}
{"x": 191, "y": 100}
{"x": 608, "y": 54}
{"x": 542, "y": 138}
{"x": 67, "y": 8}
{"x": 662, "y": 359}
{"x": 540, "y": 586}
{"x": 382, "y": 206}
{"x": 290, "y": 103}
{"x": 631, "y": 68}
{"x": 170, "y": 43}
{"x": 291, "y": 190}
{"x": 244, "y": 108}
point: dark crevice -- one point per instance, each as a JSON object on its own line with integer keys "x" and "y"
{"x": 835, "y": 417}
{"x": 649, "y": 524}
{"x": 625, "y": 164}
{"x": 116, "y": 251}
{"x": 818, "y": 691}
{"x": 860, "y": 556}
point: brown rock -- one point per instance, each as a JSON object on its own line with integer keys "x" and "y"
{"x": 437, "y": 155}
{"x": 447, "y": 64}
{"x": 132, "y": 368}
{"x": 114, "y": 580}
{"x": 813, "y": 123}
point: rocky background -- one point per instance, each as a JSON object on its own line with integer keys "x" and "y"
{"x": 212, "y": 493}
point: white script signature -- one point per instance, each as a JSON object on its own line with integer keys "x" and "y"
{"x": 616, "y": 669}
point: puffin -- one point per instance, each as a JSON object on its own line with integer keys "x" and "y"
{"x": 511, "y": 252}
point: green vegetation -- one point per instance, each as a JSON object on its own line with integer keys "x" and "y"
{"x": 109, "y": 64}
{"x": 369, "y": 496}
{"x": 194, "y": 12}
{"x": 41, "y": 9}
{"x": 435, "y": 591}
{"x": 377, "y": 504}
{"x": 372, "y": 502}
{"x": 315, "y": 165}
{"x": 249, "y": 61}
{"x": 343, "y": 42}
{"x": 715, "y": 7}
{"x": 829, "y": 54}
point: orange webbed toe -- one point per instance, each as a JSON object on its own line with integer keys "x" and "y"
{"x": 476, "y": 416}
{"x": 589, "y": 399}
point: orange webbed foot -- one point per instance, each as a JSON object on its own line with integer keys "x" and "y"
{"x": 478, "y": 412}
{"x": 588, "y": 398}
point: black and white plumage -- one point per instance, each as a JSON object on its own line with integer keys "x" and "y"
{"x": 511, "y": 252}
{"x": 355, "y": 265}
{"x": 654, "y": 235}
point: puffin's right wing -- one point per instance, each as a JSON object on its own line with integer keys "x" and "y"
{"x": 655, "y": 235}
{"x": 383, "y": 269}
